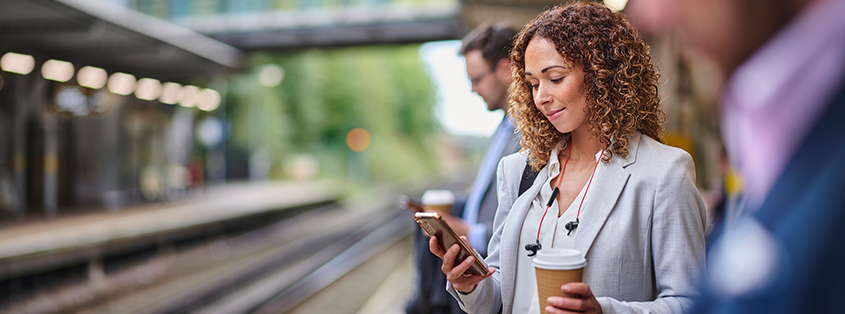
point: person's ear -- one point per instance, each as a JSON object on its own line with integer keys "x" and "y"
{"x": 503, "y": 68}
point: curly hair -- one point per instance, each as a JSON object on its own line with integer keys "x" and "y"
{"x": 621, "y": 82}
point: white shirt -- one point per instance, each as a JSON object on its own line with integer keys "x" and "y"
{"x": 552, "y": 234}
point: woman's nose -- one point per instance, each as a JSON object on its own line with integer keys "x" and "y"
{"x": 541, "y": 95}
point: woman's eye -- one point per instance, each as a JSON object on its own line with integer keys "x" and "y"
{"x": 535, "y": 86}
{"x": 557, "y": 80}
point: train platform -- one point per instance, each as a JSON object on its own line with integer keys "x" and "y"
{"x": 29, "y": 247}
{"x": 295, "y": 248}
{"x": 394, "y": 292}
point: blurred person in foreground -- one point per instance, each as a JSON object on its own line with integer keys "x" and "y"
{"x": 486, "y": 52}
{"x": 783, "y": 107}
{"x": 584, "y": 95}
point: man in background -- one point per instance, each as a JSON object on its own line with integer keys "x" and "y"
{"x": 783, "y": 107}
{"x": 486, "y": 52}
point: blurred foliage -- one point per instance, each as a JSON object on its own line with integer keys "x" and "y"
{"x": 327, "y": 92}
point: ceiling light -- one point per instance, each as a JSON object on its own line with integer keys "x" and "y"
{"x": 171, "y": 93}
{"x": 121, "y": 83}
{"x": 91, "y": 77}
{"x": 148, "y": 89}
{"x": 210, "y": 100}
{"x": 191, "y": 97}
{"x": 17, "y": 63}
{"x": 56, "y": 70}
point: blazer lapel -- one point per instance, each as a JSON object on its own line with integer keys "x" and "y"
{"x": 606, "y": 188}
{"x": 512, "y": 249}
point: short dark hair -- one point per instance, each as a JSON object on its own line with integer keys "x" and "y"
{"x": 494, "y": 41}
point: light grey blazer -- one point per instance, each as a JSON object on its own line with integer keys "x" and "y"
{"x": 644, "y": 239}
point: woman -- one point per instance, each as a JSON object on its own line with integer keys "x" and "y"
{"x": 584, "y": 95}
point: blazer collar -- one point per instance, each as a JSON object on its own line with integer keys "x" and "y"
{"x": 607, "y": 186}
{"x": 523, "y": 202}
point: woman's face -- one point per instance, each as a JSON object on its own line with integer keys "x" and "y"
{"x": 557, "y": 86}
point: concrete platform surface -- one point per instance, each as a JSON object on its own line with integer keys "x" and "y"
{"x": 216, "y": 204}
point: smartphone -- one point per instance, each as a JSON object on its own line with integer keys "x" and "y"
{"x": 434, "y": 224}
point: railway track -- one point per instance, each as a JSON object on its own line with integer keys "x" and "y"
{"x": 271, "y": 269}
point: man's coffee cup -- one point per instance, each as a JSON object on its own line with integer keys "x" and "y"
{"x": 438, "y": 201}
{"x": 554, "y": 268}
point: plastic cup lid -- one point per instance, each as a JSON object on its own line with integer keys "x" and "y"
{"x": 438, "y": 197}
{"x": 559, "y": 259}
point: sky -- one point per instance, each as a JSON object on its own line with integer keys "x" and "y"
{"x": 458, "y": 109}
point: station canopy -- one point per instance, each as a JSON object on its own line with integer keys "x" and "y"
{"x": 514, "y": 12}
{"x": 109, "y": 36}
{"x": 303, "y": 24}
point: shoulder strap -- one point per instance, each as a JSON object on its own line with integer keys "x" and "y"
{"x": 528, "y": 176}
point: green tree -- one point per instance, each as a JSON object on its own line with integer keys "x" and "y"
{"x": 327, "y": 92}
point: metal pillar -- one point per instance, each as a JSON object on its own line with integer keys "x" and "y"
{"x": 19, "y": 145}
{"x": 51, "y": 162}
{"x": 216, "y": 159}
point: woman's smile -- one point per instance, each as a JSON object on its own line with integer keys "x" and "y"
{"x": 554, "y": 114}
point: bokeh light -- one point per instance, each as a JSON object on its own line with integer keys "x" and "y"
{"x": 210, "y": 131}
{"x": 191, "y": 96}
{"x": 171, "y": 93}
{"x": 148, "y": 89}
{"x": 271, "y": 75}
{"x": 121, "y": 83}
{"x": 616, "y": 5}
{"x": 358, "y": 139}
{"x": 302, "y": 167}
{"x": 100, "y": 101}
{"x": 91, "y": 77}
{"x": 57, "y": 70}
{"x": 151, "y": 182}
{"x": 210, "y": 100}
{"x": 71, "y": 99}
{"x": 17, "y": 63}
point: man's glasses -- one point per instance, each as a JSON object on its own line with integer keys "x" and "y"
{"x": 477, "y": 79}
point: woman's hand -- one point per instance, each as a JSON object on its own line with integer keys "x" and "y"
{"x": 587, "y": 303}
{"x": 456, "y": 274}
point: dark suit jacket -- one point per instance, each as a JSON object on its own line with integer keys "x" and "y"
{"x": 431, "y": 295}
{"x": 804, "y": 214}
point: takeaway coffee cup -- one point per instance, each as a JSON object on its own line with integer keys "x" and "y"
{"x": 438, "y": 201}
{"x": 555, "y": 267}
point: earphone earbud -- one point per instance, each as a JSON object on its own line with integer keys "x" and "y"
{"x": 571, "y": 226}
{"x": 532, "y": 248}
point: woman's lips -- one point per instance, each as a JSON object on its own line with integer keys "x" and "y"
{"x": 554, "y": 114}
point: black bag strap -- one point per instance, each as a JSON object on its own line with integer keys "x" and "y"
{"x": 528, "y": 176}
